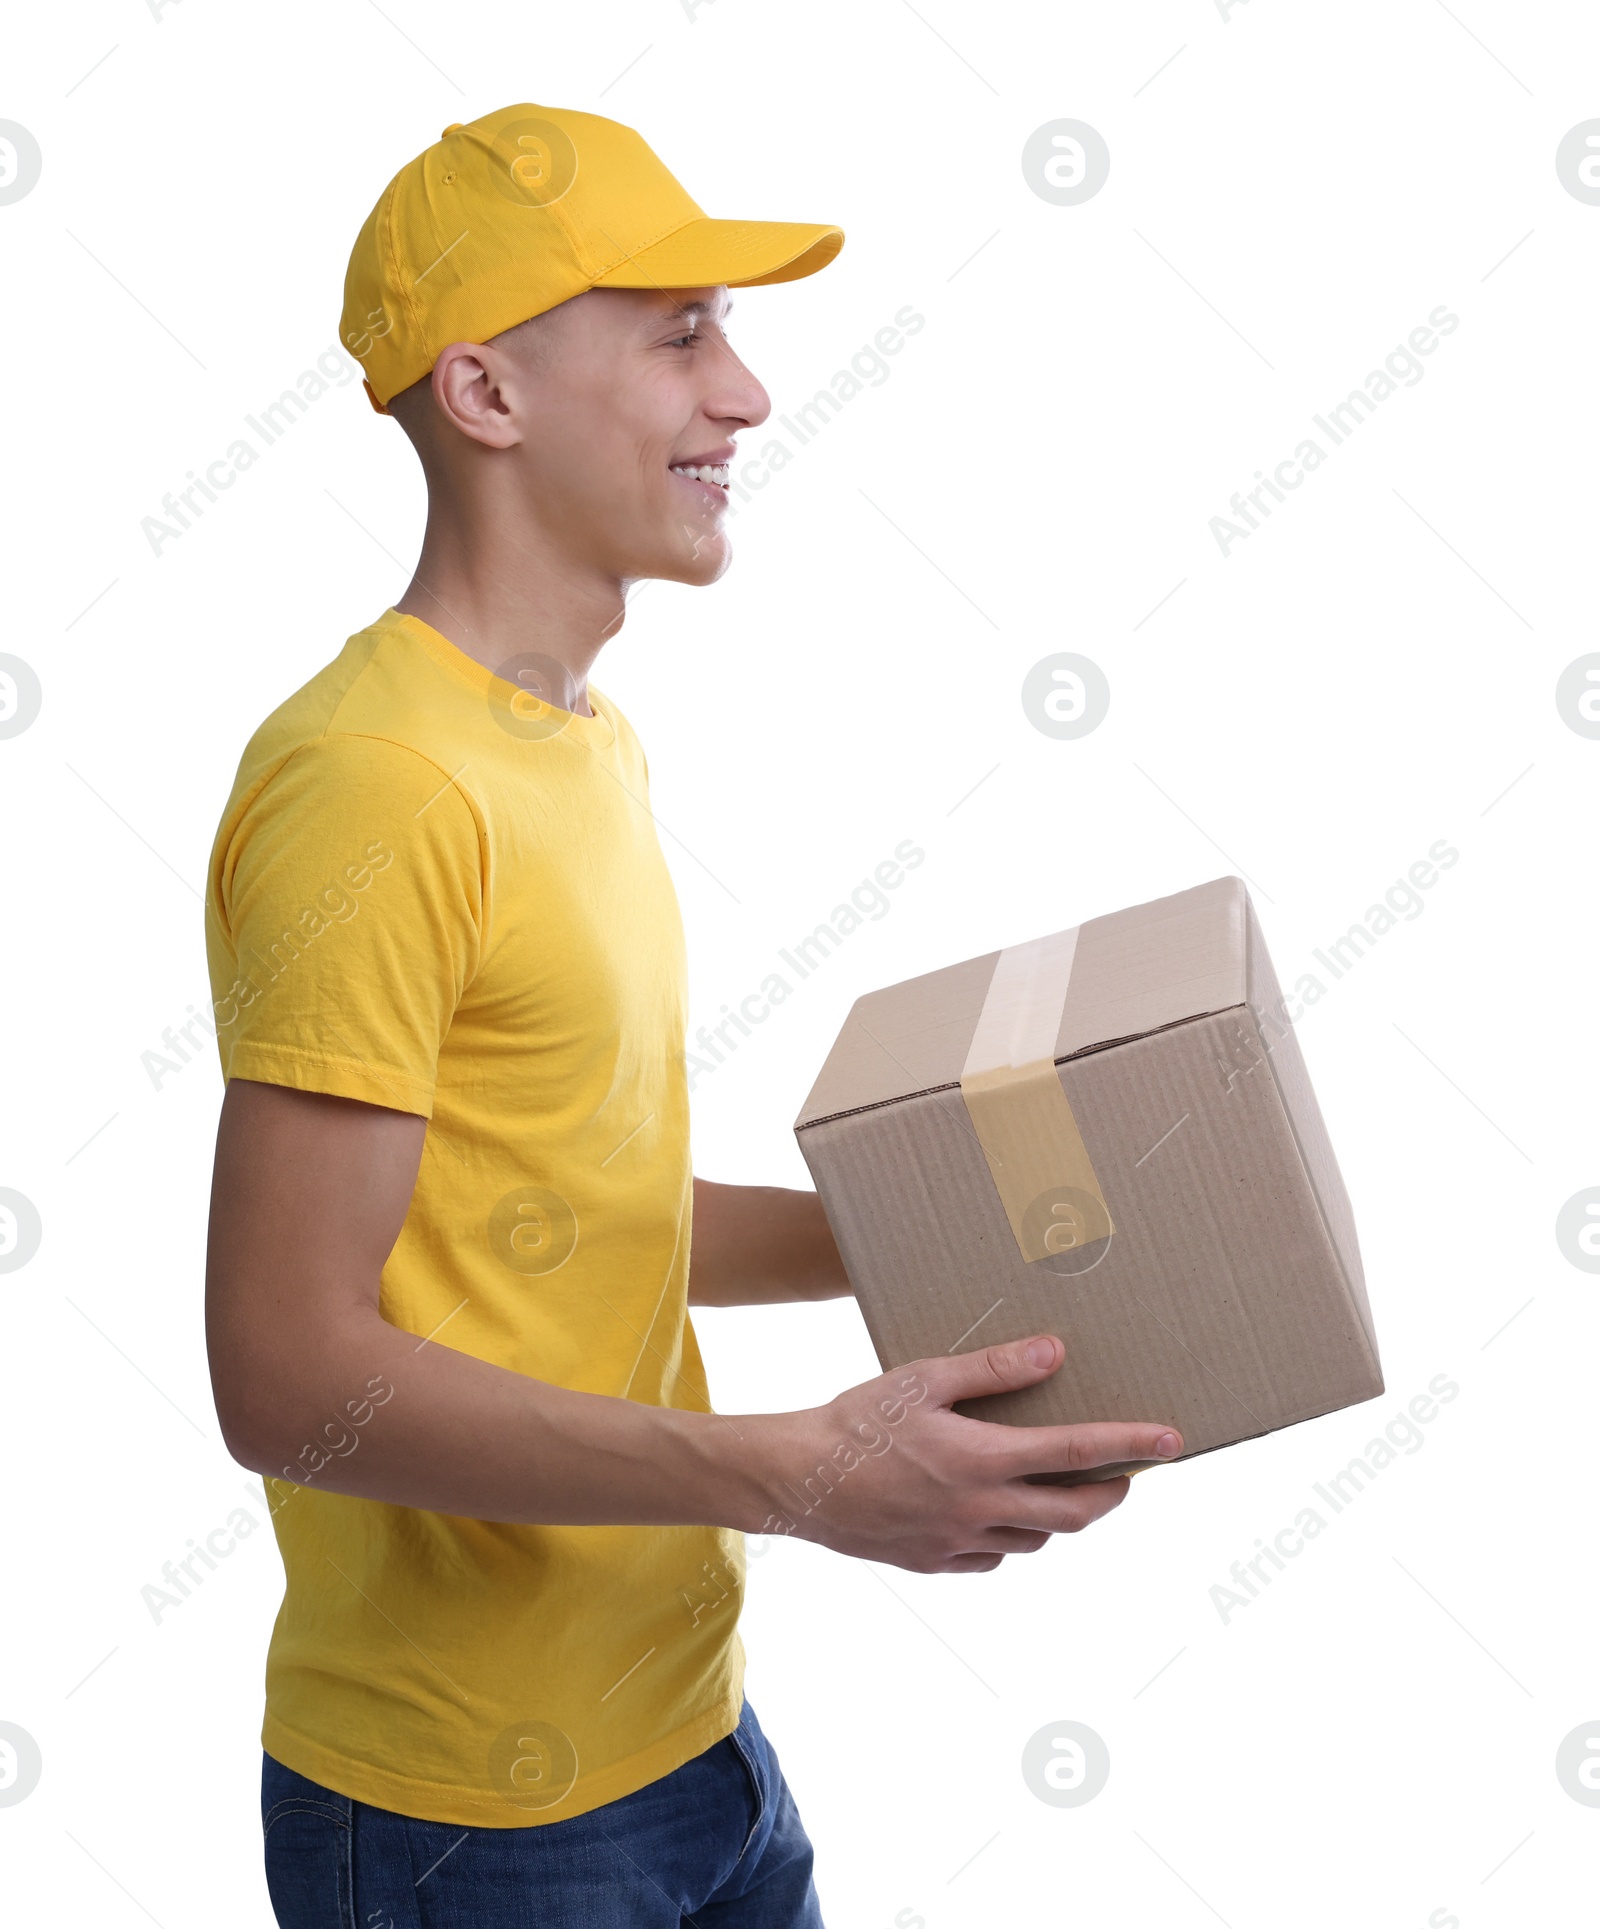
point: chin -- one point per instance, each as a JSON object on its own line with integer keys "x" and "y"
{"x": 698, "y": 560}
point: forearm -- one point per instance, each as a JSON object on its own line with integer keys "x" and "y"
{"x": 315, "y": 1389}
{"x": 313, "y": 1386}
{"x": 759, "y": 1245}
{"x": 369, "y": 1411}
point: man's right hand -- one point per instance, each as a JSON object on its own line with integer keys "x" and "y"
{"x": 888, "y": 1472}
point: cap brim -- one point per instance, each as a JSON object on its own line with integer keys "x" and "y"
{"x": 733, "y": 254}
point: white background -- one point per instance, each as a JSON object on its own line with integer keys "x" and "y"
{"x": 1295, "y": 189}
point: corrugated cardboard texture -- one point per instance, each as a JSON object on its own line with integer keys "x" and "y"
{"x": 1305, "y": 1115}
{"x": 1228, "y": 1302}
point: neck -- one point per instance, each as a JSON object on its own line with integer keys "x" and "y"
{"x": 500, "y": 588}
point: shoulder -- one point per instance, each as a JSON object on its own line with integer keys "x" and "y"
{"x": 341, "y": 800}
{"x": 341, "y": 774}
{"x": 357, "y": 731}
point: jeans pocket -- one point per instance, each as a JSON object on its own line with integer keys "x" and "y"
{"x": 749, "y": 1744}
{"x": 308, "y": 1833}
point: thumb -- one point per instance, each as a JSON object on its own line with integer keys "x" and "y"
{"x": 993, "y": 1369}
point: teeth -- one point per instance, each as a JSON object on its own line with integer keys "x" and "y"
{"x": 704, "y": 473}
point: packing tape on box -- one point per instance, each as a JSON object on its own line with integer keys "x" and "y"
{"x": 1024, "y": 1123}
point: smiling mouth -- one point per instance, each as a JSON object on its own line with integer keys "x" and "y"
{"x": 714, "y": 473}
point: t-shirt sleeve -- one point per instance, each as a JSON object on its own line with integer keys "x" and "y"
{"x": 350, "y": 899}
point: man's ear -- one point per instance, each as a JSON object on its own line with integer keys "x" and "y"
{"x": 466, "y": 383}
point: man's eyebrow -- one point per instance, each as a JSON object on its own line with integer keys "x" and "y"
{"x": 694, "y": 311}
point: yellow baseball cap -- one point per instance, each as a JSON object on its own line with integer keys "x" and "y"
{"x": 506, "y": 216}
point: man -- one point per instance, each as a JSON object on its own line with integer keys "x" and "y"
{"x": 451, "y": 1255}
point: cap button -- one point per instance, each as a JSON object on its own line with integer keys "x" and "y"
{"x": 455, "y": 127}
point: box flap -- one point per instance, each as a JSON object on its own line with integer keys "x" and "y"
{"x": 1134, "y": 972}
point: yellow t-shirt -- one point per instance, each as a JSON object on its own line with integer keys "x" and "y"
{"x": 433, "y": 892}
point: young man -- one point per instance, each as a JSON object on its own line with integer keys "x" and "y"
{"x": 451, "y": 1254}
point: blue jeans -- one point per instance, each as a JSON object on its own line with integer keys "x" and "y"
{"x": 717, "y": 1844}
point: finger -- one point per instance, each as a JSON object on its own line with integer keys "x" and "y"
{"x": 1082, "y": 1506}
{"x": 1016, "y": 1540}
{"x": 973, "y": 1563}
{"x": 1094, "y": 1443}
{"x": 992, "y": 1369}
{"x": 1060, "y": 1510}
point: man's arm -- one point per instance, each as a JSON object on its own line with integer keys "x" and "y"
{"x": 309, "y": 1195}
{"x": 755, "y": 1245}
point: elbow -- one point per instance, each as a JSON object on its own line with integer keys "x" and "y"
{"x": 245, "y": 1443}
{"x": 247, "y": 1430}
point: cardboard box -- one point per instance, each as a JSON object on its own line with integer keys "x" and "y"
{"x": 1108, "y": 1134}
